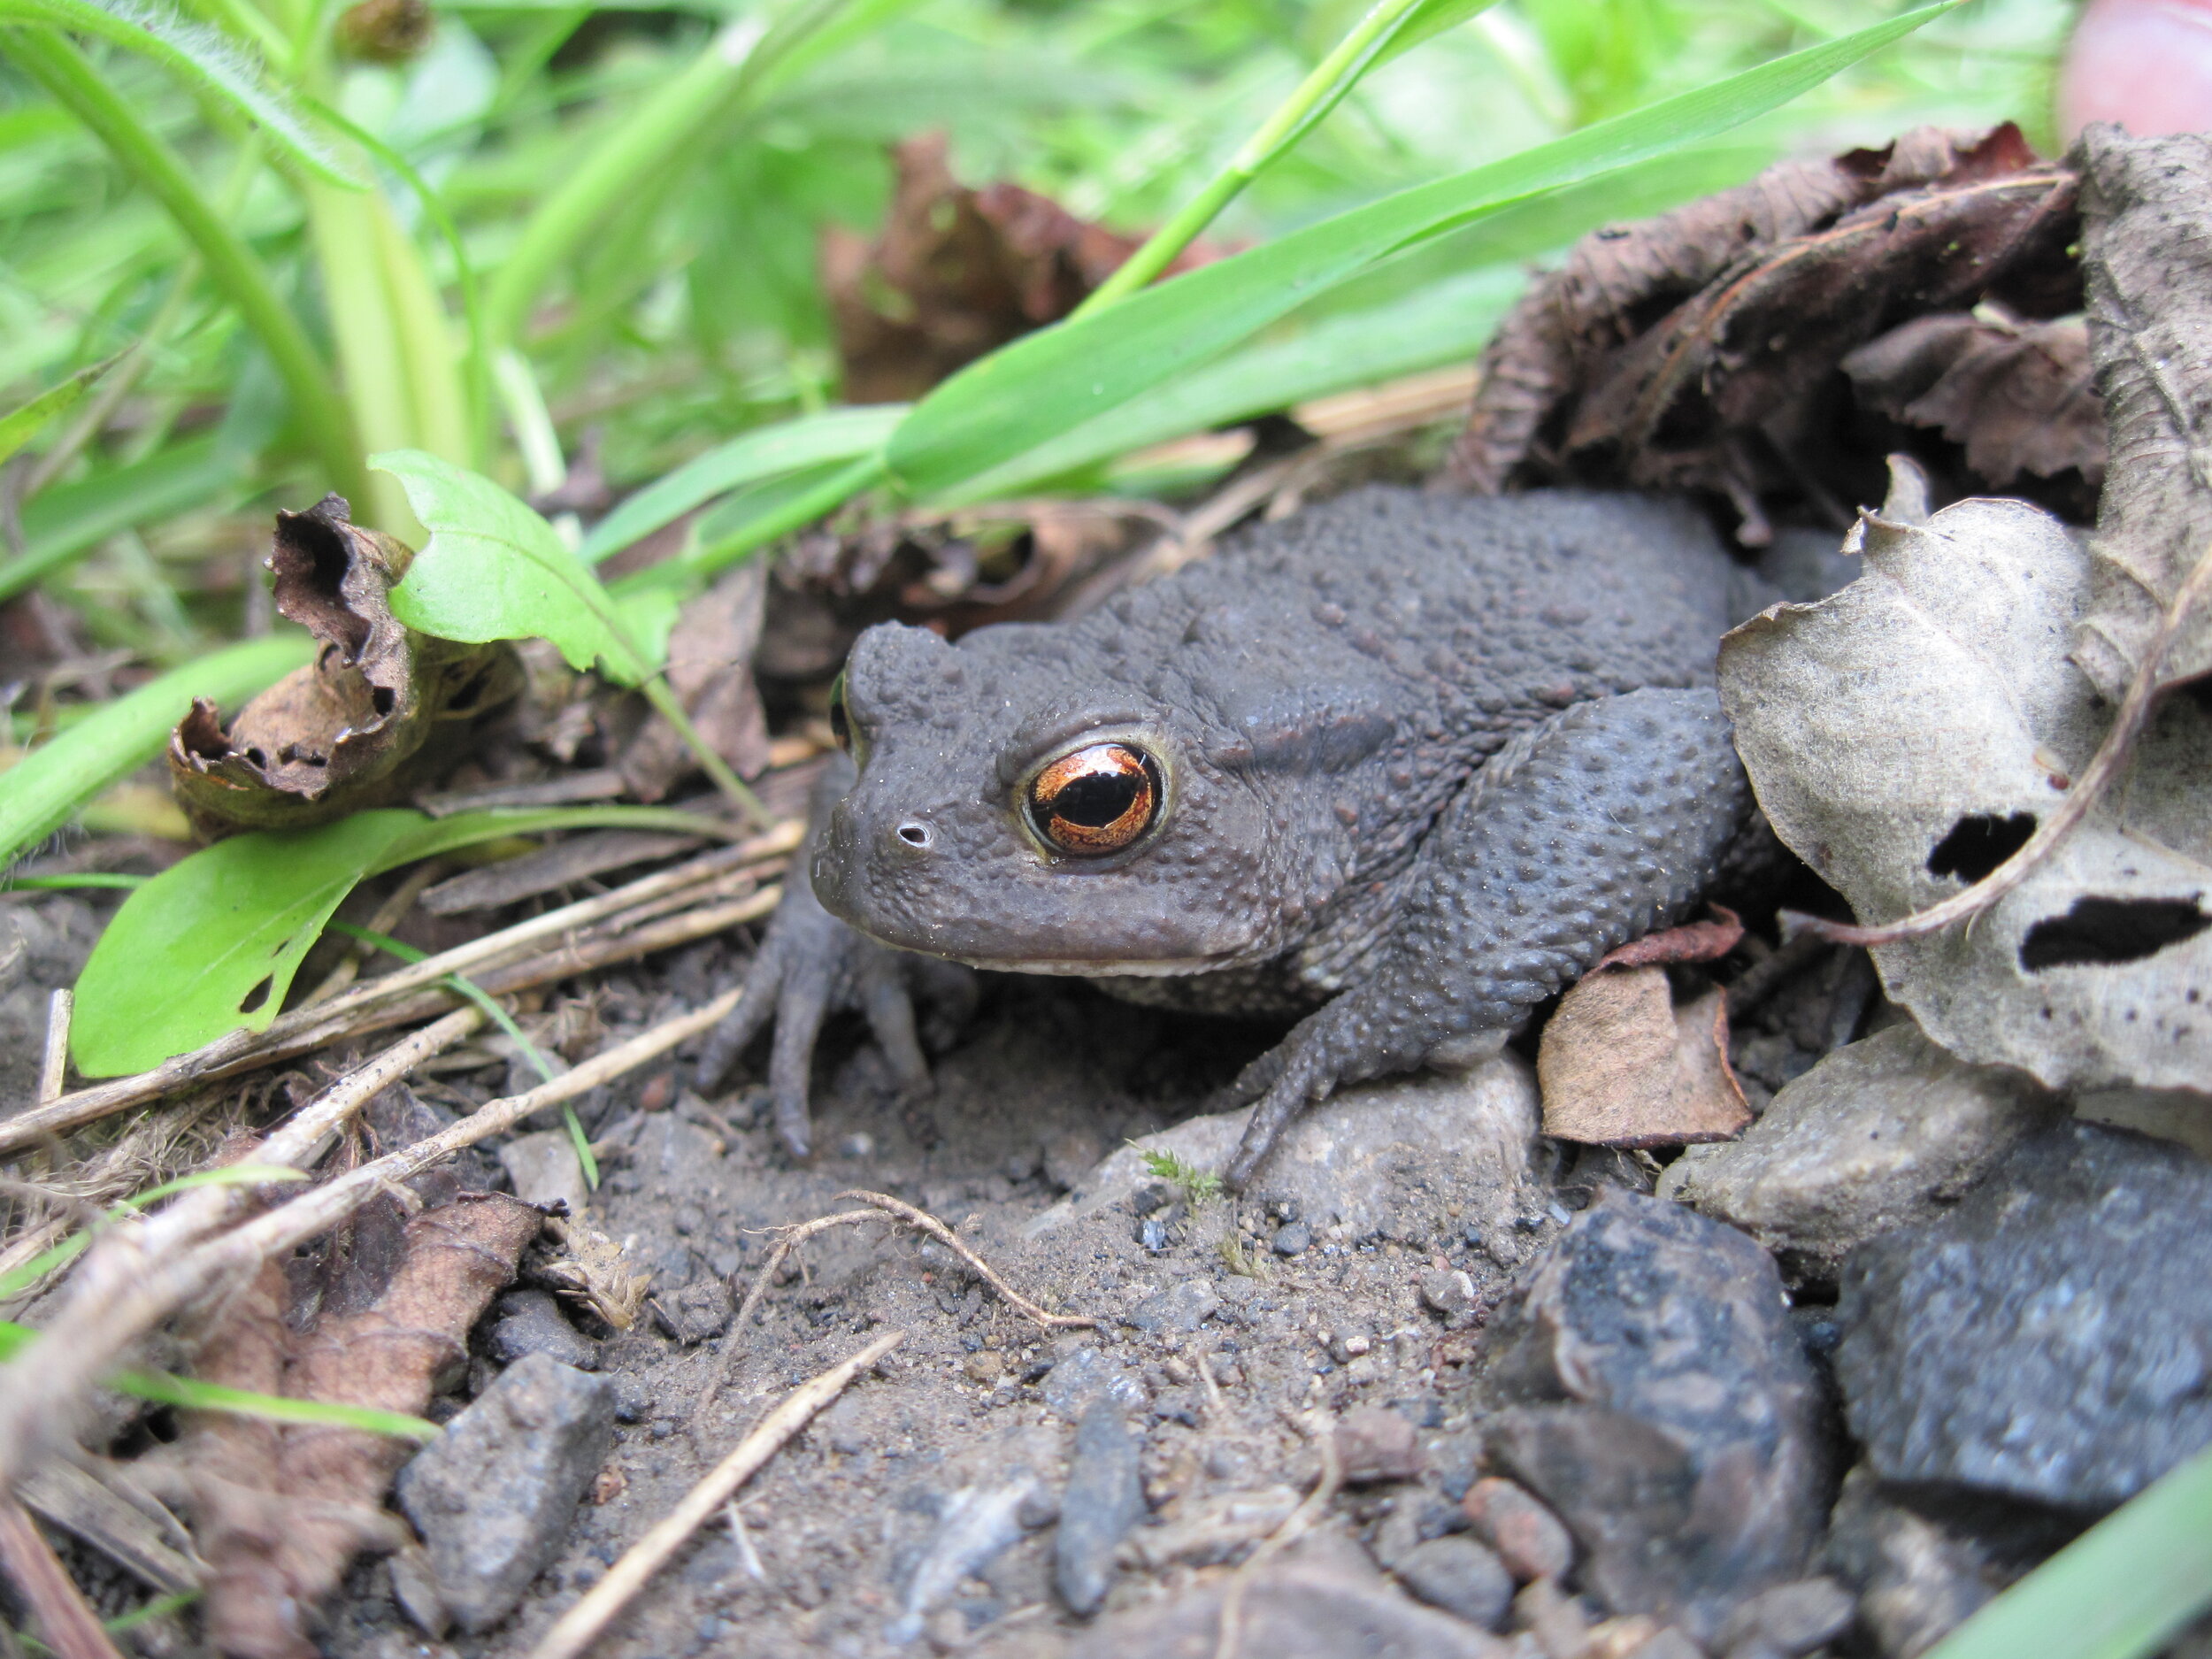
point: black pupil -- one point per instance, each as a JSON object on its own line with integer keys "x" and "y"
{"x": 1097, "y": 799}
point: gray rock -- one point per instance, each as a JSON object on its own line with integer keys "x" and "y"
{"x": 1650, "y": 1388}
{"x": 1103, "y": 1498}
{"x": 1182, "y": 1307}
{"x": 701, "y": 1310}
{"x": 1460, "y": 1576}
{"x": 1344, "y": 1163}
{"x": 1081, "y": 1375}
{"x": 1293, "y": 1238}
{"x": 545, "y": 1169}
{"x": 1320, "y": 1599}
{"x": 1791, "y": 1618}
{"x": 1916, "y": 1580}
{"x": 1513, "y": 1521}
{"x": 493, "y": 1496}
{"x": 1450, "y": 1292}
{"x": 973, "y": 1529}
{"x": 1885, "y": 1133}
{"x": 2050, "y": 1339}
{"x": 531, "y": 1322}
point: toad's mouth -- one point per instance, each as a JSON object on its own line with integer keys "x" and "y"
{"x": 1094, "y": 968}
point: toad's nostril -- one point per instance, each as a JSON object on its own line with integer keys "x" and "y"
{"x": 915, "y": 834}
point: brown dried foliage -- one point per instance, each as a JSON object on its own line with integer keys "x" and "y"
{"x": 1702, "y": 350}
{"x": 280, "y": 1510}
{"x": 380, "y": 712}
{"x": 957, "y": 272}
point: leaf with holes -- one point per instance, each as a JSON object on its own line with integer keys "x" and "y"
{"x": 1907, "y": 735}
{"x": 211, "y": 945}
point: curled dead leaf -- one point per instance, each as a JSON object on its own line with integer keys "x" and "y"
{"x": 955, "y": 274}
{"x": 379, "y": 711}
{"x": 592, "y": 1272}
{"x": 1700, "y": 349}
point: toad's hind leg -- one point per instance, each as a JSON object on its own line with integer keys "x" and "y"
{"x": 1593, "y": 829}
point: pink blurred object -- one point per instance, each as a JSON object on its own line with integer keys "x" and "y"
{"x": 2146, "y": 64}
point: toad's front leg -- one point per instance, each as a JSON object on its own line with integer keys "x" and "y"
{"x": 1605, "y": 822}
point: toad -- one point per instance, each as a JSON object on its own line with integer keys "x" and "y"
{"x": 1402, "y": 765}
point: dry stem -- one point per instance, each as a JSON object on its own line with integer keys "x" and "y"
{"x": 70, "y": 1627}
{"x": 945, "y": 1236}
{"x": 577, "y": 1628}
{"x": 2096, "y": 779}
{"x": 53, "y": 1070}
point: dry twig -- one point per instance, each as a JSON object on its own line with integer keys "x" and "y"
{"x": 53, "y": 1070}
{"x": 577, "y": 1628}
{"x": 69, "y": 1628}
{"x": 944, "y": 1235}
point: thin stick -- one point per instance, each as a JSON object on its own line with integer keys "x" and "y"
{"x": 373, "y": 1006}
{"x": 748, "y": 1556}
{"x": 53, "y": 1072}
{"x": 2104, "y": 767}
{"x": 577, "y": 1628}
{"x": 945, "y": 1236}
{"x": 69, "y": 1628}
{"x": 142, "y": 1270}
{"x": 788, "y": 1239}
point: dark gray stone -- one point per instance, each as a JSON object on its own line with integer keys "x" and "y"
{"x": 493, "y": 1496}
{"x": 1918, "y": 1580}
{"x": 1103, "y": 1498}
{"x": 1460, "y": 1576}
{"x": 1293, "y": 1238}
{"x": 1790, "y": 1619}
{"x": 1648, "y": 1387}
{"x": 531, "y": 1322}
{"x": 1181, "y": 1307}
{"x": 1081, "y": 1375}
{"x": 700, "y": 1311}
{"x": 2051, "y": 1339}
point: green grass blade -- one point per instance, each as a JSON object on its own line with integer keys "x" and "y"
{"x": 317, "y": 406}
{"x": 40, "y": 792}
{"x": 2118, "y": 1592}
{"x": 1052, "y": 381}
{"x": 20, "y": 426}
{"x": 202, "y": 59}
{"x": 71, "y": 520}
{"x": 835, "y": 434}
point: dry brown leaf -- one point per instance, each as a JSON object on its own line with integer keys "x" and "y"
{"x": 2147, "y": 262}
{"x": 711, "y": 671}
{"x": 1698, "y": 350}
{"x": 280, "y": 1510}
{"x": 1692, "y": 941}
{"x": 593, "y": 1274}
{"x": 379, "y": 711}
{"x": 957, "y": 272}
{"x": 2019, "y": 396}
{"x": 1621, "y": 1066}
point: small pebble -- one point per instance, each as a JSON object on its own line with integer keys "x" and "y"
{"x": 1460, "y": 1576}
{"x": 1293, "y": 1238}
{"x": 1449, "y": 1292}
{"x": 1103, "y": 1498}
{"x": 531, "y": 1322}
{"x": 1375, "y": 1443}
{"x": 1790, "y": 1619}
{"x": 1527, "y": 1536}
{"x": 1181, "y": 1307}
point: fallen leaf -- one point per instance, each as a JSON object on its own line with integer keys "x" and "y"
{"x": 2019, "y": 396}
{"x": 593, "y": 1272}
{"x": 381, "y": 711}
{"x": 1620, "y": 1065}
{"x": 281, "y": 1511}
{"x": 957, "y": 272}
{"x": 1699, "y": 350}
{"x": 1906, "y": 735}
{"x": 1692, "y": 941}
{"x": 2147, "y": 266}
{"x": 711, "y": 671}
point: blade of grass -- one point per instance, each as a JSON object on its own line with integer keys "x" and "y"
{"x": 788, "y": 513}
{"x": 1048, "y": 383}
{"x": 20, "y": 426}
{"x": 496, "y": 1012}
{"x": 72, "y": 519}
{"x": 2118, "y": 1592}
{"x": 1332, "y": 78}
{"x": 317, "y": 407}
{"x": 834, "y": 434}
{"x": 39, "y": 791}
{"x": 70, "y": 1247}
{"x": 202, "y": 60}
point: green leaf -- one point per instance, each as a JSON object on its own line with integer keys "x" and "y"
{"x": 1049, "y": 382}
{"x": 495, "y": 570}
{"x": 203, "y": 60}
{"x": 40, "y": 792}
{"x": 2118, "y": 1592}
{"x": 20, "y": 426}
{"x": 835, "y": 434}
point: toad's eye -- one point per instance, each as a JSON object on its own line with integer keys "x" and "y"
{"x": 1098, "y": 799}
